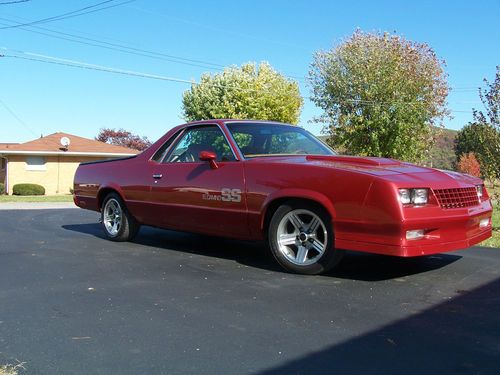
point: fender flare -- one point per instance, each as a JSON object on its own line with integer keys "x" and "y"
{"x": 110, "y": 186}
{"x": 293, "y": 193}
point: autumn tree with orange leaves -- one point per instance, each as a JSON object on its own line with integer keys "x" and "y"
{"x": 469, "y": 164}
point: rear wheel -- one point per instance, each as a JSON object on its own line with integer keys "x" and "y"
{"x": 301, "y": 238}
{"x": 117, "y": 222}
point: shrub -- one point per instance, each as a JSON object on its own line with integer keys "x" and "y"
{"x": 2, "y": 188}
{"x": 469, "y": 164}
{"x": 28, "y": 189}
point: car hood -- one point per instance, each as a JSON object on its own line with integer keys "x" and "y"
{"x": 372, "y": 165}
{"x": 388, "y": 169}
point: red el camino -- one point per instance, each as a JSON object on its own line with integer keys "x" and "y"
{"x": 256, "y": 180}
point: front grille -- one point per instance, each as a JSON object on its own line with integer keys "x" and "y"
{"x": 457, "y": 198}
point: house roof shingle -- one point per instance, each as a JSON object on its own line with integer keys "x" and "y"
{"x": 52, "y": 144}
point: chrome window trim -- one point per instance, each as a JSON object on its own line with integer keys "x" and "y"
{"x": 242, "y": 156}
{"x": 174, "y": 141}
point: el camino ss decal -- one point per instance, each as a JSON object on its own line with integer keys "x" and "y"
{"x": 226, "y": 195}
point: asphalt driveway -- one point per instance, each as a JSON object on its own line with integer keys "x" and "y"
{"x": 173, "y": 303}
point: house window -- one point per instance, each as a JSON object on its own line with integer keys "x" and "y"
{"x": 2, "y": 164}
{"x": 35, "y": 163}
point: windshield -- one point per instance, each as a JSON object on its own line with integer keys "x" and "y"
{"x": 267, "y": 139}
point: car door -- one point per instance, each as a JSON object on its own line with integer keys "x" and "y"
{"x": 193, "y": 195}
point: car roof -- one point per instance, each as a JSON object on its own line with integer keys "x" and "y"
{"x": 227, "y": 121}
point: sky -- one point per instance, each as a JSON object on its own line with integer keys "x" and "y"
{"x": 185, "y": 39}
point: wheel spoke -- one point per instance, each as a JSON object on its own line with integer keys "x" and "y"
{"x": 288, "y": 239}
{"x": 318, "y": 246}
{"x": 296, "y": 222}
{"x": 313, "y": 225}
{"x": 301, "y": 256}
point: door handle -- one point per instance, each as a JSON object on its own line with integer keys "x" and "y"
{"x": 157, "y": 176}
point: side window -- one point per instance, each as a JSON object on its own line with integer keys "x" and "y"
{"x": 195, "y": 140}
{"x": 159, "y": 155}
{"x": 245, "y": 142}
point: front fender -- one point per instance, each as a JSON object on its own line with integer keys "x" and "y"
{"x": 297, "y": 193}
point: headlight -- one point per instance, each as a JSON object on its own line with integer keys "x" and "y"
{"x": 419, "y": 196}
{"x": 479, "y": 189}
{"x": 405, "y": 196}
{"x": 413, "y": 196}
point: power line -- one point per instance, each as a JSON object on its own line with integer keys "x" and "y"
{"x": 48, "y": 19}
{"x": 74, "y": 13}
{"x": 126, "y": 48}
{"x": 82, "y": 65}
{"x": 13, "y": 114}
{"x": 129, "y": 50}
{"x": 78, "y": 64}
{"x": 132, "y": 50}
{"x": 13, "y": 2}
{"x": 210, "y": 26}
{"x": 122, "y": 48}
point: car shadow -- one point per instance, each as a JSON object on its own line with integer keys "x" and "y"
{"x": 458, "y": 336}
{"x": 354, "y": 266}
{"x": 375, "y": 267}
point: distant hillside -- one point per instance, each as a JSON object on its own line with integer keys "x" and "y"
{"x": 442, "y": 153}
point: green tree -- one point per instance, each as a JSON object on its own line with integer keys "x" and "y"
{"x": 246, "y": 92}
{"x": 490, "y": 97}
{"x": 482, "y": 136}
{"x": 380, "y": 95}
{"x": 484, "y": 141}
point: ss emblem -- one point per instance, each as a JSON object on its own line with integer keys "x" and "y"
{"x": 231, "y": 195}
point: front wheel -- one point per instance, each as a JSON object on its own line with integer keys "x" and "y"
{"x": 301, "y": 239}
{"x": 117, "y": 222}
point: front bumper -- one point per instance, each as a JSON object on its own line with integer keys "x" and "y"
{"x": 444, "y": 230}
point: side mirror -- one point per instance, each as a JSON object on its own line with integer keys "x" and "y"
{"x": 210, "y": 157}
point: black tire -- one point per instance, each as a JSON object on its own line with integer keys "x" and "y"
{"x": 303, "y": 246}
{"x": 118, "y": 224}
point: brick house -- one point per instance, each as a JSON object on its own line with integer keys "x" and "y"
{"x": 51, "y": 161}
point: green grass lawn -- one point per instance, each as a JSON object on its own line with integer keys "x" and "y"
{"x": 494, "y": 193}
{"x": 36, "y": 198}
{"x": 494, "y": 241}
